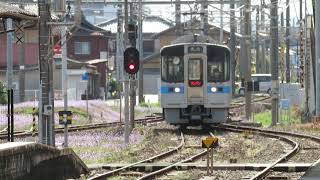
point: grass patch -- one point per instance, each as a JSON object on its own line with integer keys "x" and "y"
{"x": 25, "y": 110}
{"x": 145, "y": 104}
{"x": 265, "y": 118}
{"x": 152, "y": 143}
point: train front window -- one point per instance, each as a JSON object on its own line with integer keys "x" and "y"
{"x": 172, "y": 69}
{"x": 195, "y": 69}
{"x": 218, "y": 65}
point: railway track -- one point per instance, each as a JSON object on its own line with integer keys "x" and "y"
{"x": 296, "y": 140}
{"x": 170, "y": 157}
{"x": 3, "y": 133}
{"x": 21, "y": 134}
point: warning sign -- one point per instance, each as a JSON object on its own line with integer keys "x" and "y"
{"x": 62, "y": 115}
{"x": 209, "y": 142}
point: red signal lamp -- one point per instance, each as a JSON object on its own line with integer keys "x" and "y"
{"x": 131, "y": 60}
{"x": 131, "y": 66}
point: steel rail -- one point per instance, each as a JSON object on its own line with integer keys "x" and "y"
{"x": 241, "y": 105}
{"x": 289, "y": 154}
{"x": 293, "y": 134}
{"x": 159, "y": 156}
{"x": 87, "y": 127}
{"x": 163, "y": 170}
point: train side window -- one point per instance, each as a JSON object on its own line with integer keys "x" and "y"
{"x": 172, "y": 69}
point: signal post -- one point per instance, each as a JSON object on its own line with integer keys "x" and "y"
{"x": 209, "y": 143}
{"x": 131, "y": 66}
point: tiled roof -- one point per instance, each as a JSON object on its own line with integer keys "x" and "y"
{"x": 9, "y": 11}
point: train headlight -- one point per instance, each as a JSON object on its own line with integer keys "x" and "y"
{"x": 214, "y": 89}
{"x": 177, "y": 90}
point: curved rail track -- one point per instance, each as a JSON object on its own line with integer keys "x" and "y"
{"x": 152, "y": 159}
{"x": 284, "y": 136}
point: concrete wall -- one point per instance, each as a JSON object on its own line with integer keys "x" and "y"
{"x": 27, "y": 160}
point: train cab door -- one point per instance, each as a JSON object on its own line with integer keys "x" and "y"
{"x": 195, "y": 79}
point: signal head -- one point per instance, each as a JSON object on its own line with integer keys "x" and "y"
{"x": 131, "y": 60}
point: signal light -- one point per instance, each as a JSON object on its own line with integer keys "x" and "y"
{"x": 131, "y": 60}
{"x": 131, "y": 66}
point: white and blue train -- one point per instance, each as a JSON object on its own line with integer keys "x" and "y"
{"x": 195, "y": 83}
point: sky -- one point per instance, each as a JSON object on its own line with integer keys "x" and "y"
{"x": 167, "y": 11}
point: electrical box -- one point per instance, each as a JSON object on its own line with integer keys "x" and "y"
{"x": 47, "y": 110}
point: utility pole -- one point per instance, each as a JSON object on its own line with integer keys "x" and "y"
{"x": 132, "y": 93}
{"x": 233, "y": 45}
{"x": 274, "y": 60}
{"x": 126, "y": 80}
{"x": 242, "y": 47}
{"x": 9, "y": 23}
{"x": 301, "y": 58}
{"x": 64, "y": 75}
{"x": 306, "y": 65}
{"x": 263, "y": 45}
{"x": 119, "y": 57}
{"x": 178, "y": 18}
{"x": 282, "y": 48}
{"x": 46, "y": 127}
{"x": 205, "y": 17}
{"x": 221, "y": 22}
{"x": 64, "y": 70}
{"x": 288, "y": 64}
{"x": 140, "y": 48}
{"x": 247, "y": 58}
{"x": 317, "y": 39}
{"x": 258, "y": 60}
{"x": 21, "y": 41}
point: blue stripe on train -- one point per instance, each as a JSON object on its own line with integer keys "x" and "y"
{"x": 170, "y": 90}
{"x": 220, "y": 89}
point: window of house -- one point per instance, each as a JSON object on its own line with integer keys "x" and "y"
{"x": 82, "y": 48}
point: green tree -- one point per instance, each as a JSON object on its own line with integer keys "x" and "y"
{"x": 3, "y": 94}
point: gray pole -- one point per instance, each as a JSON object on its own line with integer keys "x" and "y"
{"x": 132, "y": 103}
{"x": 126, "y": 81}
{"x": 64, "y": 82}
{"x": 125, "y": 41}
{"x": 306, "y": 64}
{"x": 301, "y": 58}
{"x": 247, "y": 54}
{"x": 281, "y": 48}
{"x": 178, "y": 18}
{"x": 258, "y": 60}
{"x": 202, "y": 17}
{"x": 132, "y": 93}
{"x": 22, "y": 60}
{"x": 317, "y": 39}
{"x": 205, "y": 17}
{"x": 288, "y": 69}
{"x": 140, "y": 48}
{"x": 233, "y": 45}
{"x": 46, "y": 136}
{"x": 274, "y": 60}
{"x": 242, "y": 47}
{"x": 263, "y": 45}
{"x": 9, "y": 54}
{"x": 221, "y": 22}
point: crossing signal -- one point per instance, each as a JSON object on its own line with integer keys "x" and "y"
{"x": 131, "y": 60}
